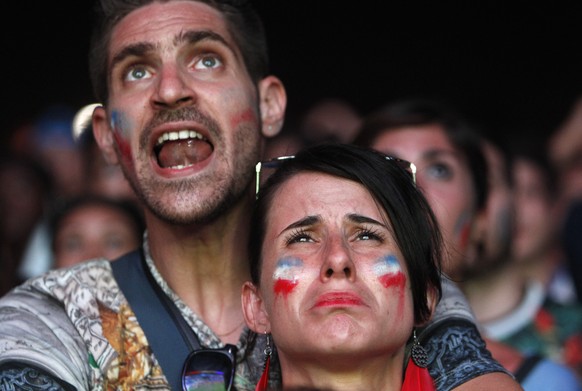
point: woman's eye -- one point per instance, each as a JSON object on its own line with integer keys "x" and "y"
{"x": 208, "y": 62}
{"x": 367, "y": 234}
{"x": 137, "y": 73}
{"x": 299, "y": 237}
{"x": 440, "y": 171}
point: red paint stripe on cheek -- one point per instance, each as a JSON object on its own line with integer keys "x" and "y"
{"x": 284, "y": 287}
{"x": 397, "y": 280}
{"x": 124, "y": 147}
{"x": 393, "y": 279}
{"x": 246, "y": 116}
{"x": 464, "y": 237}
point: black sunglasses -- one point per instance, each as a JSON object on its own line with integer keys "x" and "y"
{"x": 274, "y": 163}
{"x": 209, "y": 369}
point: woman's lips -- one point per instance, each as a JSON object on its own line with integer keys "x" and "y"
{"x": 338, "y": 299}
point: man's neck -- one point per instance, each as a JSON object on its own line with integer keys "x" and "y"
{"x": 494, "y": 295}
{"x": 206, "y": 266}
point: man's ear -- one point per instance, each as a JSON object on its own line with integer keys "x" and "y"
{"x": 104, "y": 135}
{"x": 273, "y": 101}
{"x": 254, "y": 312}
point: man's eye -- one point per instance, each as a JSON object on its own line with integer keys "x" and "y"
{"x": 137, "y": 73}
{"x": 208, "y": 62}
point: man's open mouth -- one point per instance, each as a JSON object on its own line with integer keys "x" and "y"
{"x": 181, "y": 149}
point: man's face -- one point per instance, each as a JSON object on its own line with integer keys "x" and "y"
{"x": 182, "y": 109}
{"x": 535, "y": 230}
{"x": 499, "y": 210}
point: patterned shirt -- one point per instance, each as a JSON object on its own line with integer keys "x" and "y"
{"x": 75, "y": 325}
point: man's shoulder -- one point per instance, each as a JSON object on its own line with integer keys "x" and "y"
{"x": 59, "y": 285}
{"x": 54, "y": 321}
{"x": 60, "y": 297}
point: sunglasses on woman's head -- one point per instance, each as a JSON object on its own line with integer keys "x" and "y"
{"x": 409, "y": 167}
{"x": 209, "y": 369}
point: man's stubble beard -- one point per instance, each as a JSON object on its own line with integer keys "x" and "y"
{"x": 182, "y": 202}
{"x": 187, "y": 205}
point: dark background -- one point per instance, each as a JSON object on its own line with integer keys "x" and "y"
{"x": 513, "y": 69}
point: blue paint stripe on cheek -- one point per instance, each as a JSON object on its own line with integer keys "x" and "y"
{"x": 386, "y": 265}
{"x": 287, "y": 267}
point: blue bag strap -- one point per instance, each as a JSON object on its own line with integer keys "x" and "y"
{"x": 160, "y": 327}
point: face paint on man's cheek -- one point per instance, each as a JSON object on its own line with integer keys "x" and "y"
{"x": 247, "y": 116}
{"x": 285, "y": 275}
{"x": 121, "y": 135}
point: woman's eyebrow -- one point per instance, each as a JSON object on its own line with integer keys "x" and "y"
{"x": 357, "y": 218}
{"x": 304, "y": 222}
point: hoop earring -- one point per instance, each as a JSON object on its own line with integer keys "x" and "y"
{"x": 263, "y": 383}
{"x": 416, "y": 376}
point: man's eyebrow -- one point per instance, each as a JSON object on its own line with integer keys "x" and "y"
{"x": 137, "y": 50}
{"x": 195, "y": 36}
{"x": 190, "y": 36}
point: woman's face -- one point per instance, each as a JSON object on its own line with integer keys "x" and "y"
{"x": 332, "y": 272}
{"x": 444, "y": 177}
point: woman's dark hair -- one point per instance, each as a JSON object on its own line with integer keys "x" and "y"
{"x": 244, "y": 24}
{"x": 412, "y": 113}
{"x": 415, "y": 227}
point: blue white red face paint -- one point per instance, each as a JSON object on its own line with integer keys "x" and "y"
{"x": 390, "y": 275}
{"x": 120, "y": 135}
{"x": 285, "y": 275}
{"x": 387, "y": 269}
{"x": 463, "y": 230}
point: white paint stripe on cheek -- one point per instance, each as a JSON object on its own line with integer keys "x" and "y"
{"x": 118, "y": 123}
{"x": 387, "y": 265}
{"x": 287, "y": 268}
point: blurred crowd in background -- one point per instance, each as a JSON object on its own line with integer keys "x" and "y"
{"x": 61, "y": 203}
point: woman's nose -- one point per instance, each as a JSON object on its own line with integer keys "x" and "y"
{"x": 338, "y": 261}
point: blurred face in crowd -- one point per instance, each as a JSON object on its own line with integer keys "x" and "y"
{"x": 499, "y": 214}
{"x": 445, "y": 179}
{"x": 94, "y": 231}
{"x": 535, "y": 230}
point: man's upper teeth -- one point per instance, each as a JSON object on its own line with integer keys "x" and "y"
{"x": 180, "y": 135}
